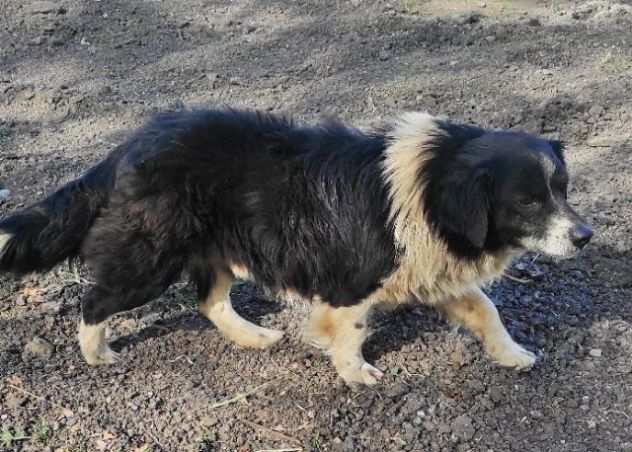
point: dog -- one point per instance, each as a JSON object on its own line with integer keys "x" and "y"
{"x": 424, "y": 209}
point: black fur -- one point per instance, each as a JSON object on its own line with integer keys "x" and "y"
{"x": 302, "y": 208}
{"x": 473, "y": 181}
{"x": 52, "y": 230}
{"x": 558, "y": 148}
{"x": 456, "y": 197}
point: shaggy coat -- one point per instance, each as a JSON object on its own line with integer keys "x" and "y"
{"x": 331, "y": 214}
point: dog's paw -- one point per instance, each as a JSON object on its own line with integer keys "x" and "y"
{"x": 253, "y": 336}
{"x": 360, "y": 373}
{"x": 514, "y": 356}
{"x": 268, "y": 337}
{"x": 104, "y": 355}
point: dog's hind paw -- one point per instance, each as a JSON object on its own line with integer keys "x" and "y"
{"x": 360, "y": 373}
{"x": 105, "y": 355}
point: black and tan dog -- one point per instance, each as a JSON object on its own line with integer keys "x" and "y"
{"x": 424, "y": 210}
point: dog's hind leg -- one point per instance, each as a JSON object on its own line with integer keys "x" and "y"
{"x": 341, "y": 332}
{"x": 218, "y": 308}
{"x": 99, "y": 304}
{"x": 93, "y": 343}
{"x": 477, "y": 313}
{"x": 130, "y": 270}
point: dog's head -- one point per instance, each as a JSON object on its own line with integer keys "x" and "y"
{"x": 501, "y": 189}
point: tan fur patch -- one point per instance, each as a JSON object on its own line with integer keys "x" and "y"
{"x": 342, "y": 331}
{"x": 219, "y": 310}
{"x": 94, "y": 347}
{"x": 4, "y": 239}
{"x": 477, "y": 313}
{"x": 241, "y": 272}
{"x": 426, "y": 271}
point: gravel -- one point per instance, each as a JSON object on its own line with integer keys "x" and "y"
{"x": 65, "y": 104}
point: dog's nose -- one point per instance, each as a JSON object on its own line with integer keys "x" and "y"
{"x": 581, "y": 235}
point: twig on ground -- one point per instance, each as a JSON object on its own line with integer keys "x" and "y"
{"x": 296, "y": 449}
{"x": 36, "y": 397}
{"x": 273, "y": 433}
{"x": 179, "y": 357}
{"x": 619, "y": 412}
{"x": 518, "y": 280}
{"x": 155, "y": 438}
{"x": 241, "y": 396}
{"x": 4, "y": 8}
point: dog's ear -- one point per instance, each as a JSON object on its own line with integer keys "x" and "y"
{"x": 464, "y": 209}
{"x": 558, "y": 148}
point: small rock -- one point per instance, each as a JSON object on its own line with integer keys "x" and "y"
{"x": 410, "y": 433}
{"x": 396, "y": 391}
{"x": 595, "y": 352}
{"x": 20, "y": 300}
{"x": 475, "y": 387}
{"x": 490, "y": 38}
{"x": 384, "y": 55}
{"x": 13, "y": 400}
{"x": 596, "y": 111}
{"x": 4, "y": 194}
{"x": 105, "y": 90}
{"x": 150, "y": 319}
{"x": 37, "y": 41}
{"x": 38, "y": 348}
{"x": 459, "y": 357}
{"x": 462, "y": 428}
{"x": 496, "y": 394}
{"x": 43, "y": 7}
{"x": 213, "y": 78}
{"x": 413, "y": 403}
{"x": 51, "y": 307}
{"x": 468, "y": 19}
{"x": 534, "y": 22}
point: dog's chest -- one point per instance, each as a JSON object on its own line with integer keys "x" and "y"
{"x": 430, "y": 274}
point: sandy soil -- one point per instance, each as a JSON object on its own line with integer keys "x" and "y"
{"x": 76, "y": 76}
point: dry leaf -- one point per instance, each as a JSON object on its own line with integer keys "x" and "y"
{"x": 33, "y": 294}
{"x": 15, "y": 381}
{"x": 66, "y": 412}
{"x": 143, "y": 448}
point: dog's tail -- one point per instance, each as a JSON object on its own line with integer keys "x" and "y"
{"x": 46, "y": 233}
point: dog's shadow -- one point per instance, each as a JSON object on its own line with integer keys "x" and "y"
{"x": 543, "y": 298}
{"x": 246, "y": 299}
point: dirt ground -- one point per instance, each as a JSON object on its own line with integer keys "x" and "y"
{"x": 76, "y": 76}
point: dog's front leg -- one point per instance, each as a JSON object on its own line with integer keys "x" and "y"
{"x": 476, "y": 312}
{"x": 341, "y": 332}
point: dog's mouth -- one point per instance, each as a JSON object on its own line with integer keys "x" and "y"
{"x": 563, "y": 238}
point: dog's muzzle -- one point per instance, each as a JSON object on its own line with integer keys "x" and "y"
{"x": 580, "y": 235}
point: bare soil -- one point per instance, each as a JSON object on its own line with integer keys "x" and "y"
{"x": 76, "y": 76}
